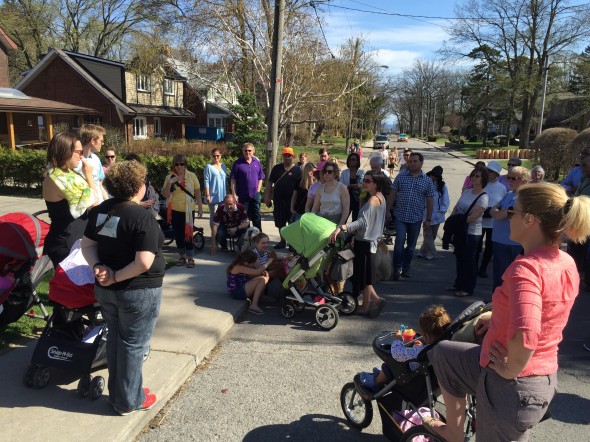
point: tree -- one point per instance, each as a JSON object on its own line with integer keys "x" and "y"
{"x": 249, "y": 122}
{"x": 551, "y": 150}
{"x": 526, "y": 34}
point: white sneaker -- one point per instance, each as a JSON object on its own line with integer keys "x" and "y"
{"x": 431, "y": 257}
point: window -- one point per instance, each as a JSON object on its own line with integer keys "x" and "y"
{"x": 219, "y": 122}
{"x": 168, "y": 86}
{"x": 157, "y": 126}
{"x": 143, "y": 82}
{"x": 92, "y": 120}
{"x": 139, "y": 128}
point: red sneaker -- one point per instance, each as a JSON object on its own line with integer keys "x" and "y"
{"x": 150, "y": 401}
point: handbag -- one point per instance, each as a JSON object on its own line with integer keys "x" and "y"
{"x": 342, "y": 265}
{"x": 456, "y": 225}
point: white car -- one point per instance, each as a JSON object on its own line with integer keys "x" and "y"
{"x": 381, "y": 140}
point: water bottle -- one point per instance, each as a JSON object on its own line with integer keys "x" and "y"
{"x": 402, "y": 328}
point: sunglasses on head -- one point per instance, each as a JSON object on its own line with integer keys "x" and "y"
{"x": 329, "y": 171}
{"x": 109, "y": 157}
{"x": 180, "y": 164}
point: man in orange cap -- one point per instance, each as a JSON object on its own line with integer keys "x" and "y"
{"x": 279, "y": 189}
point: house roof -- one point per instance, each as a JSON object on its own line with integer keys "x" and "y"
{"x": 15, "y": 101}
{"x": 121, "y": 107}
{"x": 6, "y": 41}
{"x": 163, "y": 111}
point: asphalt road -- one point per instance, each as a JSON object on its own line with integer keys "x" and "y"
{"x": 277, "y": 379}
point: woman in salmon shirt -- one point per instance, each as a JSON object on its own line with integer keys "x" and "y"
{"x": 514, "y": 372}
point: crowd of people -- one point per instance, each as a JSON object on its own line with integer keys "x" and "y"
{"x": 521, "y": 217}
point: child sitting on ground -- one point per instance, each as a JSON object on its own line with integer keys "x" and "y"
{"x": 245, "y": 280}
{"x": 433, "y": 322}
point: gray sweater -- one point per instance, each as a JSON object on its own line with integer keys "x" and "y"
{"x": 369, "y": 225}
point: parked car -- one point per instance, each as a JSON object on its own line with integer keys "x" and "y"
{"x": 402, "y": 138}
{"x": 381, "y": 140}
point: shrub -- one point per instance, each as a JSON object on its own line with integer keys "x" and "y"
{"x": 581, "y": 141}
{"x": 432, "y": 138}
{"x": 22, "y": 168}
{"x": 473, "y": 138}
{"x": 551, "y": 151}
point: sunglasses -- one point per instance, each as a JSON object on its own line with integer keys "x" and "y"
{"x": 329, "y": 171}
{"x": 109, "y": 157}
{"x": 248, "y": 150}
{"x": 511, "y": 165}
{"x": 367, "y": 181}
{"x": 406, "y": 155}
{"x": 217, "y": 156}
{"x": 512, "y": 178}
{"x": 180, "y": 164}
{"x": 510, "y": 212}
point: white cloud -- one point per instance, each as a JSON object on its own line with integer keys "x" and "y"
{"x": 396, "y": 61}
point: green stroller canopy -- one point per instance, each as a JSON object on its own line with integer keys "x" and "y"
{"x": 309, "y": 234}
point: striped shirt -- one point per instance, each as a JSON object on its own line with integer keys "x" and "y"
{"x": 262, "y": 257}
{"x": 412, "y": 192}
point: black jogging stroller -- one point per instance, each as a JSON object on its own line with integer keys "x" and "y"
{"x": 412, "y": 390}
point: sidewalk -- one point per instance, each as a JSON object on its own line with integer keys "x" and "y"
{"x": 196, "y": 314}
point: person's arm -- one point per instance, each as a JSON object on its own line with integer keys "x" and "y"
{"x": 475, "y": 213}
{"x": 207, "y": 183}
{"x": 259, "y": 186}
{"x": 510, "y": 362}
{"x": 293, "y": 202}
{"x": 250, "y": 271}
{"x": 197, "y": 193}
{"x": 316, "y": 201}
{"x": 429, "y": 205}
{"x": 345, "y": 200}
{"x": 446, "y": 201}
{"x": 390, "y": 200}
{"x": 168, "y": 182}
{"x": 268, "y": 193}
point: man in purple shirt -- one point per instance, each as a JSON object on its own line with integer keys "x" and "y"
{"x": 246, "y": 181}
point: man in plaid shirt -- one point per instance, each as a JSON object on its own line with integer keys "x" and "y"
{"x": 412, "y": 190}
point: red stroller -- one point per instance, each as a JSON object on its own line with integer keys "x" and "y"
{"x": 21, "y": 235}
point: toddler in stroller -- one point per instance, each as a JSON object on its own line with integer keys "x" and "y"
{"x": 405, "y": 389}
{"x": 74, "y": 338}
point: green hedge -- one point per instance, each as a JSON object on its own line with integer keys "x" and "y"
{"x": 26, "y": 168}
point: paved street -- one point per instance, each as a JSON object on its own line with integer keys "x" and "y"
{"x": 276, "y": 379}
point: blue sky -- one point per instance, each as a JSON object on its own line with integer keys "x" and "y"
{"x": 397, "y": 41}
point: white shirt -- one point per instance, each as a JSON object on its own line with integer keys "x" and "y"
{"x": 496, "y": 191}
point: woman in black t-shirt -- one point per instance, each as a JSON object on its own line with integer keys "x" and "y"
{"x": 299, "y": 197}
{"x": 123, "y": 243}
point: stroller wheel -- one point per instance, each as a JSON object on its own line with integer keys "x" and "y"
{"x": 349, "y": 303}
{"x": 358, "y": 411}
{"x": 199, "y": 240}
{"x": 41, "y": 377}
{"x": 326, "y": 316}
{"x": 29, "y": 375}
{"x": 96, "y": 387}
{"x": 288, "y": 311}
{"x": 419, "y": 433}
{"x": 84, "y": 386}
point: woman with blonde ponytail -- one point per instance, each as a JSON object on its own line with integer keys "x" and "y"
{"x": 514, "y": 372}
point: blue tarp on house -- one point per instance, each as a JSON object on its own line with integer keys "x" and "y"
{"x": 204, "y": 133}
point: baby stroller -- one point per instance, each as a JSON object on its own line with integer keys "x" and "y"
{"x": 198, "y": 236}
{"x": 309, "y": 237}
{"x": 21, "y": 235}
{"x": 74, "y": 338}
{"x": 412, "y": 391}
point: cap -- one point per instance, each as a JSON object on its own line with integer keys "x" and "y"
{"x": 515, "y": 161}
{"x": 288, "y": 151}
{"x": 494, "y": 166}
{"x": 437, "y": 171}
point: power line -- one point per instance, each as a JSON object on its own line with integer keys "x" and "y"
{"x": 322, "y": 29}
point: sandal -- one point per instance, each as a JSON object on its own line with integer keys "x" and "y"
{"x": 256, "y": 311}
{"x": 190, "y": 263}
{"x": 451, "y": 288}
{"x": 181, "y": 262}
{"x": 428, "y": 422}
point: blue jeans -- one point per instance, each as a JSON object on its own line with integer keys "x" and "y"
{"x": 504, "y": 255}
{"x": 183, "y": 246}
{"x": 131, "y": 317}
{"x": 252, "y": 206}
{"x": 402, "y": 258}
{"x": 466, "y": 264}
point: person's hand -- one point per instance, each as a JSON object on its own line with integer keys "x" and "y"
{"x": 268, "y": 202}
{"x": 483, "y": 324}
{"x": 232, "y": 230}
{"x": 208, "y": 199}
{"x": 148, "y": 203}
{"x": 200, "y": 213}
{"x": 426, "y": 223}
{"x": 334, "y": 235}
{"x": 103, "y": 274}
{"x": 213, "y": 247}
{"x": 388, "y": 217}
{"x": 498, "y": 361}
{"x": 173, "y": 179}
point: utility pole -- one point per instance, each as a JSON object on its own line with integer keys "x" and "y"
{"x": 543, "y": 94}
{"x": 275, "y": 87}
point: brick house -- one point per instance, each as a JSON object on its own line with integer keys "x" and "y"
{"x": 28, "y": 120}
{"x": 143, "y": 105}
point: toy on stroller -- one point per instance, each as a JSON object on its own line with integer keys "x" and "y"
{"x": 309, "y": 237}
{"x": 198, "y": 236}
{"x": 74, "y": 338}
{"x": 21, "y": 234}
{"x": 411, "y": 392}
